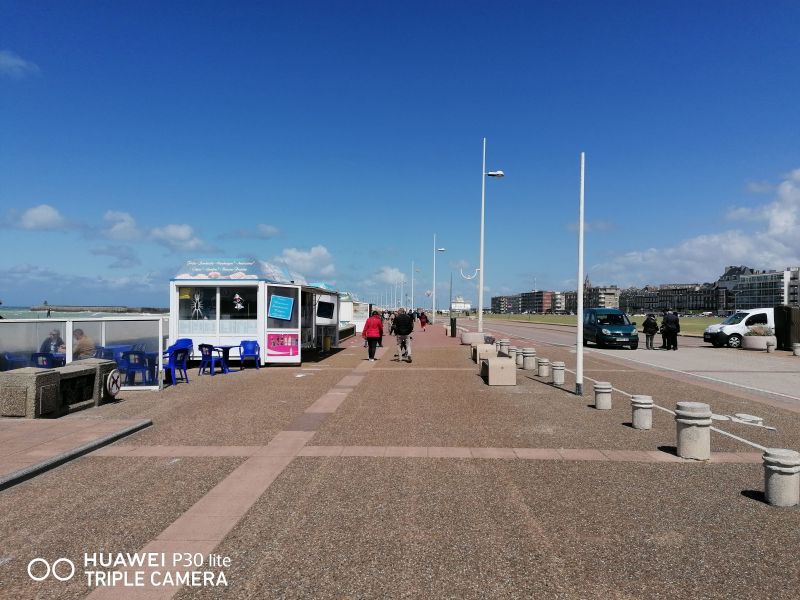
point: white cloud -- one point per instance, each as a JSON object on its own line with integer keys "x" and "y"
{"x": 262, "y": 231}
{"x": 775, "y": 244}
{"x": 13, "y": 65}
{"x": 389, "y": 275}
{"x": 178, "y": 237}
{"x": 314, "y": 262}
{"x": 759, "y": 187}
{"x": 122, "y": 226}
{"x": 42, "y": 217}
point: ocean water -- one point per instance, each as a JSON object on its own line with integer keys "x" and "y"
{"x": 24, "y": 312}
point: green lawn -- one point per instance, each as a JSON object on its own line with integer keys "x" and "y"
{"x": 689, "y": 325}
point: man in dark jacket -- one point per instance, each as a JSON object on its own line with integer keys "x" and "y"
{"x": 402, "y": 326}
{"x": 672, "y": 326}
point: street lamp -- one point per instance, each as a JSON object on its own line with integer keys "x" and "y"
{"x": 484, "y": 175}
{"x": 433, "y": 306}
{"x": 413, "y": 270}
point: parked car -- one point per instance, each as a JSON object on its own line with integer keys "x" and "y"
{"x": 732, "y": 329}
{"x": 609, "y": 327}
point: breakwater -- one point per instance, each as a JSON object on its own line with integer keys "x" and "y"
{"x": 103, "y": 309}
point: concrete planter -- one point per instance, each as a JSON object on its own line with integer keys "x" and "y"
{"x": 757, "y": 342}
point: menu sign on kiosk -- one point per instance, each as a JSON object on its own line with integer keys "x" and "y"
{"x": 283, "y": 324}
{"x": 280, "y": 307}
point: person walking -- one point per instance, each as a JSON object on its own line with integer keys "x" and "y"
{"x": 423, "y": 320}
{"x": 402, "y": 327}
{"x": 672, "y": 327}
{"x": 650, "y": 328}
{"x": 372, "y": 333}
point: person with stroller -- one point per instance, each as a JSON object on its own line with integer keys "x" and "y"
{"x": 402, "y": 326}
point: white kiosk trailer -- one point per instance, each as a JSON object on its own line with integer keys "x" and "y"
{"x": 223, "y": 302}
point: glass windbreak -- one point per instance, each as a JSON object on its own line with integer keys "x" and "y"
{"x": 238, "y": 309}
{"x": 282, "y": 309}
{"x": 134, "y": 347}
{"x": 86, "y": 337}
{"x": 197, "y": 310}
{"x": 20, "y": 342}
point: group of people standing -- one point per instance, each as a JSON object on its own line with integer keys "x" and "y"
{"x": 401, "y": 324}
{"x": 669, "y": 329}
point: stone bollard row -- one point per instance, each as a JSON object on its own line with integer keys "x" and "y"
{"x": 781, "y": 477}
{"x": 543, "y": 367}
{"x": 529, "y": 359}
{"x": 642, "y": 411}
{"x": 504, "y": 345}
{"x": 693, "y": 424}
{"x": 558, "y": 373}
{"x": 602, "y": 395}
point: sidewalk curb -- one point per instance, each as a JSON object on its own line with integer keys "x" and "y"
{"x": 55, "y": 461}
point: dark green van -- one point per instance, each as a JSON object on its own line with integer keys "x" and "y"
{"x": 609, "y": 327}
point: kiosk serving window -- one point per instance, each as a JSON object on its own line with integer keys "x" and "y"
{"x": 282, "y": 308}
{"x": 238, "y": 309}
{"x": 197, "y": 310}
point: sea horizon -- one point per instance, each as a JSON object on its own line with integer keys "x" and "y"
{"x": 25, "y": 313}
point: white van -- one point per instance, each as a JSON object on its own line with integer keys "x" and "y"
{"x": 731, "y": 330}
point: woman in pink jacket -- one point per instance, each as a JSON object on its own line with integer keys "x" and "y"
{"x": 373, "y": 332}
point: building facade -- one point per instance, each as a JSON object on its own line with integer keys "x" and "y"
{"x": 506, "y": 304}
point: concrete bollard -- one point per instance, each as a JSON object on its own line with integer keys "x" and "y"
{"x": 693, "y": 423}
{"x": 529, "y": 359}
{"x": 796, "y": 349}
{"x": 558, "y": 373}
{"x": 512, "y": 353}
{"x": 543, "y": 367}
{"x": 781, "y": 477}
{"x": 602, "y": 395}
{"x": 520, "y": 357}
{"x": 770, "y": 347}
{"x": 642, "y": 412}
{"x": 504, "y": 344}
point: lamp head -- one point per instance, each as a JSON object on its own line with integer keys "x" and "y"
{"x": 440, "y": 249}
{"x": 495, "y": 174}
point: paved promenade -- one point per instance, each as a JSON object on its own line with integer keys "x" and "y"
{"x": 350, "y": 479}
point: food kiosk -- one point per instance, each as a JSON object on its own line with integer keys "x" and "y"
{"x": 224, "y": 301}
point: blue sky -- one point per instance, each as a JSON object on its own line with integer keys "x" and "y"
{"x": 335, "y": 138}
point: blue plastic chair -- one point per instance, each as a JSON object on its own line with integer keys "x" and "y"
{"x": 43, "y": 360}
{"x": 99, "y": 352}
{"x": 177, "y": 364}
{"x": 249, "y": 349}
{"x": 15, "y": 361}
{"x": 180, "y": 343}
{"x": 209, "y": 359}
{"x": 133, "y": 362}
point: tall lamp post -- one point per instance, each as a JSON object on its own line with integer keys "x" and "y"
{"x": 579, "y": 338}
{"x": 479, "y": 271}
{"x": 433, "y": 305}
{"x": 413, "y": 270}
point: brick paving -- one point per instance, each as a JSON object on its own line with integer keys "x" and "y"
{"x": 390, "y": 479}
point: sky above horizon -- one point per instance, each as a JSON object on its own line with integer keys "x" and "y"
{"x": 334, "y": 139}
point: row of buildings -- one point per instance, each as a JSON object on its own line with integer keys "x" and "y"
{"x": 738, "y": 288}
